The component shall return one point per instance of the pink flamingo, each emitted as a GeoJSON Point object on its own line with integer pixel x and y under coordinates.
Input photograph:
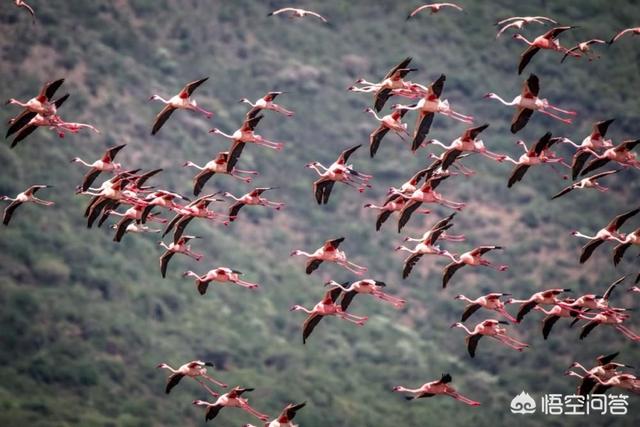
{"type": "Point", "coordinates": [222, 275]}
{"type": "Point", "coordinates": [27, 196]}
{"type": "Point", "coordinates": [610, 232]}
{"type": "Point", "coordinates": [547, 40]}
{"type": "Point", "coordinates": [181, 101]}
{"type": "Point", "coordinates": [219, 165]}
{"type": "Point", "coordinates": [489, 302]}
{"type": "Point", "coordinates": [195, 369]}
{"type": "Point", "coordinates": [366, 286]}
{"type": "Point", "coordinates": [179, 247]}
{"type": "Point", "coordinates": [329, 252]}
{"type": "Point", "coordinates": [472, 258]}
{"type": "Point", "coordinates": [232, 399]}
{"type": "Point", "coordinates": [489, 328]}
{"type": "Point", "coordinates": [433, 388]}
{"type": "Point", "coordinates": [252, 198]}
{"type": "Point", "coordinates": [266, 103]}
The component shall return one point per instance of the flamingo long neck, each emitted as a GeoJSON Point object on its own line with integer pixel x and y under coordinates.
{"type": "Point", "coordinates": [159, 98]}
{"type": "Point", "coordinates": [191, 274]}
{"type": "Point", "coordinates": [513, 102]}
{"type": "Point", "coordinates": [464, 298]}
{"type": "Point", "coordinates": [225, 134]}
{"type": "Point", "coordinates": [164, 245]}
{"type": "Point", "coordinates": [524, 39]}
{"type": "Point", "coordinates": [301, 308]}
{"type": "Point", "coordinates": [79, 160]}
{"type": "Point", "coordinates": [373, 113]}
{"type": "Point", "coordinates": [578, 234]}
{"type": "Point", "coordinates": [465, 328]}
{"type": "Point", "coordinates": [193, 165]}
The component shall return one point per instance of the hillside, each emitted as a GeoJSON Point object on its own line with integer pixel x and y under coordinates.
{"type": "Point", "coordinates": [85, 320]}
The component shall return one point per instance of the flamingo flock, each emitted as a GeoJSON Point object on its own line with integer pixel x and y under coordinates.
{"type": "Point", "coordinates": [143, 203]}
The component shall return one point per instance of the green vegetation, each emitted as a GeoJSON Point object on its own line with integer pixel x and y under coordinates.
{"type": "Point", "coordinates": [84, 320]}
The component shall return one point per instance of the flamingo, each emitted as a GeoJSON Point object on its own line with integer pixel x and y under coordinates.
{"type": "Point", "coordinates": [610, 232]}
{"type": "Point", "coordinates": [546, 297]}
{"type": "Point", "coordinates": [243, 136]}
{"type": "Point", "coordinates": [437, 228]}
{"type": "Point", "coordinates": [329, 252]}
{"type": "Point", "coordinates": [426, 247]}
{"type": "Point", "coordinates": [456, 163]}
{"type": "Point", "coordinates": [425, 194]}
{"type": "Point", "coordinates": [588, 182]}
{"type": "Point", "coordinates": [472, 258]}
{"type": "Point", "coordinates": [489, 301]}
{"type": "Point", "coordinates": [266, 103]}
{"type": "Point", "coordinates": [433, 8]}
{"type": "Point", "coordinates": [41, 104]}
{"type": "Point", "coordinates": [467, 142]}
{"type": "Point", "coordinates": [553, 315]}
{"type": "Point", "coordinates": [433, 388]}
{"type": "Point", "coordinates": [591, 301]}
{"type": "Point", "coordinates": [585, 49]}
{"type": "Point", "coordinates": [294, 12]}
{"type": "Point", "coordinates": [164, 199]}
{"type": "Point", "coordinates": [632, 238]}
{"type": "Point", "coordinates": [520, 21]}
{"type": "Point", "coordinates": [199, 208]}
{"type": "Point", "coordinates": [490, 328]}
{"type": "Point", "coordinates": [608, 317]}
{"type": "Point", "coordinates": [181, 101]}
{"type": "Point", "coordinates": [395, 205]}
{"type": "Point", "coordinates": [23, 4]}
{"type": "Point", "coordinates": [624, 381]}
{"type": "Point", "coordinates": [428, 105]}
{"type": "Point", "coordinates": [219, 165]}
{"type": "Point", "coordinates": [339, 171]}
{"type": "Point", "coordinates": [390, 122]}
{"type": "Point", "coordinates": [132, 214]}
{"type": "Point", "coordinates": [137, 228]}
{"type": "Point", "coordinates": [195, 369]}
{"type": "Point", "coordinates": [104, 164]}
{"type": "Point", "coordinates": [222, 275]}
{"type": "Point", "coordinates": [604, 370]}
{"type": "Point", "coordinates": [394, 79]}
{"type": "Point", "coordinates": [327, 307]}
{"type": "Point", "coordinates": [29, 195]}
{"type": "Point", "coordinates": [621, 154]}
{"type": "Point", "coordinates": [179, 247]}
{"type": "Point", "coordinates": [366, 286]}
{"type": "Point", "coordinates": [252, 198]}
{"type": "Point", "coordinates": [231, 399]}
{"type": "Point", "coordinates": [528, 102]}
{"type": "Point", "coordinates": [534, 156]}
{"type": "Point", "coordinates": [633, 30]}
{"type": "Point", "coordinates": [595, 141]}
{"type": "Point", "coordinates": [547, 40]}
{"type": "Point", "coordinates": [285, 419]}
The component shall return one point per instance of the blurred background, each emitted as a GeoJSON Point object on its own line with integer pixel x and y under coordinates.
{"type": "Point", "coordinates": [85, 320]}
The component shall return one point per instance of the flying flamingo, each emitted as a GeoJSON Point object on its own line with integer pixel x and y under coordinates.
{"type": "Point", "coordinates": [591, 301]}
{"type": "Point", "coordinates": [433, 388]}
{"type": "Point", "coordinates": [327, 307]}
{"type": "Point", "coordinates": [546, 297]}
{"type": "Point", "coordinates": [588, 182]}
{"type": "Point", "coordinates": [104, 164]}
{"type": "Point", "coordinates": [394, 79]}
{"type": "Point", "coordinates": [554, 314]}
{"type": "Point", "coordinates": [329, 252]}
{"type": "Point", "coordinates": [390, 122]}
{"type": "Point", "coordinates": [635, 31]}
{"type": "Point", "coordinates": [181, 101]}
{"type": "Point", "coordinates": [433, 8]}
{"type": "Point", "coordinates": [367, 286]}
{"type": "Point", "coordinates": [425, 194]}
{"type": "Point", "coordinates": [610, 232]}
{"type": "Point", "coordinates": [23, 4]}
{"type": "Point", "coordinates": [266, 103]}
{"type": "Point", "coordinates": [199, 208]}
{"type": "Point", "coordinates": [232, 399]}
{"type": "Point", "coordinates": [489, 328]}
{"type": "Point", "coordinates": [219, 165]}
{"type": "Point", "coordinates": [547, 40]}
{"type": "Point", "coordinates": [41, 104]}
{"type": "Point", "coordinates": [179, 247]}
{"type": "Point", "coordinates": [632, 238]}
{"type": "Point", "coordinates": [297, 13]}
{"type": "Point", "coordinates": [608, 317]}
{"type": "Point", "coordinates": [164, 199]}
{"type": "Point", "coordinates": [29, 195]}
{"type": "Point", "coordinates": [489, 301]}
{"type": "Point", "coordinates": [137, 228]}
{"type": "Point", "coordinates": [253, 198]}
{"type": "Point", "coordinates": [624, 381]}
{"type": "Point", "coordinates": [528, 102]}
{"type": "Point", "coordinates": [425, 247]}
{"type": "Point", "coordinates": [428, 105]}
{"type": "Point", "coordinates": [395, 205]}
{"type": "Point", "coordinates": [621, 154]}
{"type": "Point", "coordinates": [472, 258]}
{"type": "Point", "coordinates": [585, 49]}
{"type": "Point", "coordinates": [604, 370]}
{"type": "Point", "coordinates": [531, 157]}
{"type": "Point", "coordinates": [595, 141]}
{"type": "Point", "coordinates": [195, 369]}
{"type": "Point", "coordinates": [220, 274]}
{"type": "Point", "coordinates": [442, 233]}
{"type": "Point", "coordinates": [339, 171]}
{"type": "Point", "coordinates": [467, 142]}
{"type": "Point", "coordinates": [285, 419]}
{"type": "Point", "coordinates": [520, 21]}
{"type": "Point", "coordinates": [243, 136]}
{"type": "Point", "coordinates": [132, 214]}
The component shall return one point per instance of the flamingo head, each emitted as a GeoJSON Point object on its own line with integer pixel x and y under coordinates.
{"type": "Point", "coordinates": [456, 325]}
{"type": "Point", "coordinates": [245, 100]}
{"type": "Point", "coordinates": [490, 95]}
{"type": "Point", "coordinates": [75, 160]}
{"type": "Point", "coordinates": [460, 296]}
{"type": "Point", "coordinates": [162, 365]}
{"type": "Point", "coordinates": [368, 110]}
{"type": "Point", "coordinates": [294, 253]}
{"type": "Point", "coordinates": [574, 233]}
{"type": "Point", "coordinates": [153, 97]}
{"type": "Point", "coordinates": [359, 81]}
{"type": "Point", "coordinates": [398, 388]}
{"type": "Point", "coordinates": [311, 165]}
{"type": "Point", "coordinates": [214, 130]}
{"type": "Point", "coordinates": [295, 308]}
